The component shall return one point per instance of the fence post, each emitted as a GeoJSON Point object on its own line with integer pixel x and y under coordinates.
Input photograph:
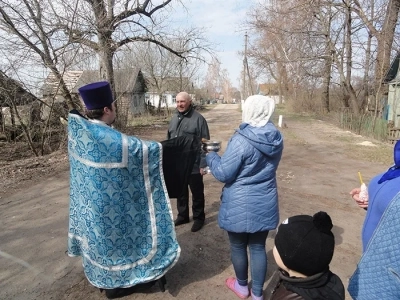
{"type": "Point", "coordinates": [280, 121]}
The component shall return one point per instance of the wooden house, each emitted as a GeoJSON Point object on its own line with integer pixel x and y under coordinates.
{"type": "Point", "coordinates": [392, 107]}
{"type": "Point", "coordinates": [130, 88]}
{"type": "Point", "coordinates": [162, 92]}
{"type": "Point", "coordinates": [14, 96]}
{"type": "Point", "coordinates": [271, 90]}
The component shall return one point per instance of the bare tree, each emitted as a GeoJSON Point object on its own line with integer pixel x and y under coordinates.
{"type": "Point", "coordinates": [105, 26]}
{"type": "Point", "coordinates": [212, 80]}
{"type": "Point", "coordinates": [308, 44]}
{"type": "Point", "coordinates": [227, 89]}
{"type": "Point", "coordinates": [292, 46]}
{"type": "Point", "coordinates": [57, 35]}
{"type": "Point", "coordinates": [384, 32]}
{"type": "Point", "coordinates": [51, 28]}
{"type": "Point", "coordinates": [216, 81]}
{"type": "Point", "coordinates": [13, 95]}
{"type": "Point", "coordinates": [27, 29]}
{"type": "Point", "coordinates": [164, 70]}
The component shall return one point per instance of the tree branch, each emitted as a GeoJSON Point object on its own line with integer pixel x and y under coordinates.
{"type": "Point", "coordinates": [139, 10]}
{"type": "Point", "coordinates": [358, 10]}
{"type": "Point", "coordinates": [154, 41]}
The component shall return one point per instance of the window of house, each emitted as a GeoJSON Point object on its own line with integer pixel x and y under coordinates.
{"type": "Point", "coordinates": [173, 98]}
{"type": "Point", "coordinates": [164, 99]}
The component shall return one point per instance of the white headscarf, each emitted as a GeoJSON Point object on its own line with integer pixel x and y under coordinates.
{"type": "Point", "coordinates": [257, 110]}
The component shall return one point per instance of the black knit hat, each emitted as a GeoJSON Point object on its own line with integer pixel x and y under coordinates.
{"type": "Point", "coordinates": [305, 243]}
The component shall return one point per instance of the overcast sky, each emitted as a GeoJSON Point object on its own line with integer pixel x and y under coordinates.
{"type": "Point", "coordinates": [223, 21]}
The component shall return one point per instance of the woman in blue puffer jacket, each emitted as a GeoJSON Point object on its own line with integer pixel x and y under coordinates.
{"type": "Point", "coordinates": [249, 200]}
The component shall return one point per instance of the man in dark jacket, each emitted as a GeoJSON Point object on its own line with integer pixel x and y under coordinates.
{"type": "Point", "coordinates": [187, 121]}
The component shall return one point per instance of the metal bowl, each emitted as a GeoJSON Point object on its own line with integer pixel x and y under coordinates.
{"type": "Point", "coordinates": [211, 146]}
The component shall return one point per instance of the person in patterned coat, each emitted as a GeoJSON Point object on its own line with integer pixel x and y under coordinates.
{"type": "Point", "coordinates": [120, 217]}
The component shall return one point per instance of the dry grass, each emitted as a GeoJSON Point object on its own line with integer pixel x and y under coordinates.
{"type": "Point", "coordinates": [291, 137]}
{"type": "Point", "coordinates": [149, 119]}
{"type": "Point", "coordinates": [381, 153]}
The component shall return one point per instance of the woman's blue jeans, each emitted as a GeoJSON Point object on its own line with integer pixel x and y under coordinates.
{"type": "Point", "coordinates": [258, 258]}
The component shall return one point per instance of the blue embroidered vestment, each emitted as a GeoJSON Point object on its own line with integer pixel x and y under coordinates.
{"type": "Point", "coordinates": [120, 217]}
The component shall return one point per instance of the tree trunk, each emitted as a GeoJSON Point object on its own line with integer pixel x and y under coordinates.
{"type": "Point", "coordinates": [326, 83]}
{"type": "Point", "coordinates": [14, 109]}
{"type": "Point", "coordinates": [366, 89]}
{"type": "Point", "coordinates": [159, 102]}
{"type": "Point", "coordinates": [353, 98]}
{"type": "Point", "coordinates": [385, 40]}
{"type": "Point", "coordinates": [1, 119]}
{"type": "Point", "coordinates": [64, 90]}
{"type": "Point", "coordinates": [106, 50]}
{"type": "Point", "coordinates": [364, 100]}
{"type": "Point", "coordinates": [348, 61]}
{"type": "Point", "coordinates": [385, 37]}
{"type": "Point", "coordinates": [106, 64]}
{"type": "Point", "coordinates": [13, 126]}
{"type": "Point", "coordinates": [106, 73]}
{"type": "Point", "coordinates": [327, 71]}
{"type": "Point", "coordinates": [280, 90]}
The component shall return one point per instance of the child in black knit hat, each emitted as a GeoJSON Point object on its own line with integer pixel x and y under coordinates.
{"type": "Point", "coordinates": [303, 251]}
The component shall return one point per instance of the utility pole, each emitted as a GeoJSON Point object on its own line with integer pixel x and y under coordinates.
{"type": "Point", "coordinates": [244, 93]}
{"type": "Point", "coordinates": [246, 70]}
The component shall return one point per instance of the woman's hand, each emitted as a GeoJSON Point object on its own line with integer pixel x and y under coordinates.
{"type": "Point", "coordinates": [355, 194]}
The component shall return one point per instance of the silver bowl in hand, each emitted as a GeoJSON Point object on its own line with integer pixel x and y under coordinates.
{"type": "Point", "coordinates": [211, 146]}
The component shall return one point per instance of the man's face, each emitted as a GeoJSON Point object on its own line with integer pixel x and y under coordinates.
{"type": "Point", "coordinates": [182, 103]}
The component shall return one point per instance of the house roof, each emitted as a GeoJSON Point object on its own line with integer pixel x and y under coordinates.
{"type": "Point", "coordinates": [268, 88]}
{"type": "Point", "coordinates": [393, 71]}
{"type": "Point", "coordinates": [125, 80]}
{"type": "Point", "coordinates": [169, 84]}
{"type": "Point", "coordinates": [9, 86]}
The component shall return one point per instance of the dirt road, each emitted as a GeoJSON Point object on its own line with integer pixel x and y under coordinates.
{"type": "Point", "coordinates": [317, 171]}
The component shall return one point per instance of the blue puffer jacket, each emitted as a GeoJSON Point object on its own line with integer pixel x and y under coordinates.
{"type": "Point", "coordinates": [249, 200]}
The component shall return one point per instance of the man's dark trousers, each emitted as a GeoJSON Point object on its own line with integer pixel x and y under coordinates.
{"type": "Point", "coordinates": [197, 188]}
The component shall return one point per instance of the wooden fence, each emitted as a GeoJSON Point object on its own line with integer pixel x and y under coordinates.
{"type": "Point", "coordinates": [393, 135]}
{"type": "Point", "coordinates": [367, 125]}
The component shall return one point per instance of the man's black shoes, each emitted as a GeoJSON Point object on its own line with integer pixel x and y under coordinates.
{"type": "Point", "coordinates": [180, 221]}
{"type": "Point", "coordinates": [140, 288]}
{"type": "Point", "coordinates": [197, 225]}
{"type": "Point", "coordinates": [119, 292]}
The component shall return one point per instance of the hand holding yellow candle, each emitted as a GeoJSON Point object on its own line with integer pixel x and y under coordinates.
{"type": "Point", "coordinates": [363, 190]}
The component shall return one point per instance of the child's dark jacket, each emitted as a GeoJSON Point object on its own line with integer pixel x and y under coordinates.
{"type": "Point", "coordinates": [324, 285]}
